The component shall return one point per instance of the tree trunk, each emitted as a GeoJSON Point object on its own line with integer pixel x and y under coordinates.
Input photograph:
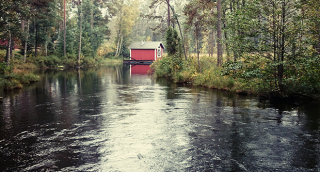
{"type": "Point", "coordinates": [26, 43]}
{"type": "Point", "coordinates": [12, 47]}
{"type": "Point", "coordinates": [198, 56]}
{"type": "Point", "coordinates": [226, 36]}
{"type": "Point", "coordinates": [186, 45]}
{"type": "Point", "coordinates": [282, 46]}
{"type": "Point", "coordinates": [93, 42]}
{"type": "Point", "coordinates": [60, 28]}
{"type": "Point", "coordinates": [168, 13]}
{"type": "Point", "coordinates": [22, 25]}
{"type": "Point", "coordinates": [197, 45]}
{"type": "Point", "coordinates": [219, 54]}
{"type": "Point", "coordinates": [235, 54]}
{"type": "Point", "coordinates": [80, 32]}
{"type": "Point", "coordinates": [274, 45]}
{"type": "Point", "coordinates": [8, 49]}
{"type": "Point", "coordinates": [64, 29]}
{"type": "Point", "coordinates": [120, 45]}
{"type": "Point", "coordinates": [46, 47]}
{"type": "Point", "coordinates": [210, 42]}
{"type": "Point", "coordinates": [22, 31]}
{"type": "Point", "coordinates": [117, 50]}
{"type": "Point", "coordinates": [36, 40]}
{"type": "Point", "coordinates": [182, 39]}
{"type": "Point", "coordinates": [119, 36]}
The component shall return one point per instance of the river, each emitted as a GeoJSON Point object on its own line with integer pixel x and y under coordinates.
{"type": "Point", "coordinates": [119, 119]}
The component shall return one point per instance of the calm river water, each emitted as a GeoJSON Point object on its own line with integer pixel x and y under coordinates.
{"type": "Point", "coordinates": [117, 119]}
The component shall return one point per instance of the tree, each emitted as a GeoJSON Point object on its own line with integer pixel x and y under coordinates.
{"type": "Point", "coordinates": [9, 21]}
{"type": "Point", "coordinates": [201, 20]}
{"type": "Point", "coordinates": [173, 42]}
{"type": "Point", "coordinates": [272, 31]}
{"type": "Point", "coordinates": [64, 28]}
{"type": "Point", "coordinates": [80, 29]}
{"type": "Point", "coordinates": [310, 15]}
{"type": "Point", "coordinates": [219, 34]}
{"type": "Point", "coordinates": [126, 17]}
{"type": "Point", "coordinates": [155, 4]}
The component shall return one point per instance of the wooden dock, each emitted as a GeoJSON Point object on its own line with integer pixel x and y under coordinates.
{"type": "Point", "coordinates": [137, 62]}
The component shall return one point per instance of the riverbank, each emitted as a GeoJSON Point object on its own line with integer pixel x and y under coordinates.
{"type": "Point", "coordinates": [19, 73]}
{"type": "Point", "coordinates": [212, 76]}
{"type": "Point", "coordinates": [187, 72]}
{"type": "Point", "coordinates": [16, 80]}
{"type": "Point", "coordinates": [53, 61]}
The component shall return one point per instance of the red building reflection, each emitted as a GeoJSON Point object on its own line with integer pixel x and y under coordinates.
{"type": "Point", "coordinates": [140, 69]}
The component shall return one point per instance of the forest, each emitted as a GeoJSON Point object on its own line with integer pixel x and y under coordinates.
{"type": "Point", "coordinates": [247, 46]}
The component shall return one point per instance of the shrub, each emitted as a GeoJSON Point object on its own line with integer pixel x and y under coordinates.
{"type": "Point", "coordinates": [52, 60]}
{"type": "Point", "coordinates": [88, 61]}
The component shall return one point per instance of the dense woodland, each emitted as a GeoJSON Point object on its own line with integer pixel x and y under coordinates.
{"type": "Point", "coordinates": [264, 45]}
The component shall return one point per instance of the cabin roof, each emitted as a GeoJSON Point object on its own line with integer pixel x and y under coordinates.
{"type": "Point", "coordinates": [146, 45]}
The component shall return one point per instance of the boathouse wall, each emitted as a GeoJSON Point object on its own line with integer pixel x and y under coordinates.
{"type": "Point", "coordinates": [139, 54]}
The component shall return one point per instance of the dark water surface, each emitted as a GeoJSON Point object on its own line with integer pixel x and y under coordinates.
{"type": "Point", "coordinates": [109, 119]}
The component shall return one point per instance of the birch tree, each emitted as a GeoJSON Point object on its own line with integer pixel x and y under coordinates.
{"type": "Point", "coordinates": [126, 17]}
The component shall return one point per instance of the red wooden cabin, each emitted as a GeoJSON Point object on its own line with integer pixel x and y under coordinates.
{"type": "Point", "coordinates": [149, 51]}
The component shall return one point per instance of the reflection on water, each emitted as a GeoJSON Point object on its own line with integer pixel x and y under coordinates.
{"type": "Point", "coordinates": [139, 69]}
{"type": "Point", "coordinates": [116, 119]}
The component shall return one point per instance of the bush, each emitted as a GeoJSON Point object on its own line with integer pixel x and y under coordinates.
{"type": "Point", "coordinates": [88, 61]}
{"type": "Point", "coordinates": [52, 60]}
{"type": "Point", "coordinates": [110, 55]}
{"type": "Point", "coordinates": [181, 71]}
{"type": "Point", "coordinates": [15, 80]}
{"type": "Point", "coordinates": [71, 60]}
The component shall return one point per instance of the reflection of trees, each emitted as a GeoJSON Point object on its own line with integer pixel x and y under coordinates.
{"type": "Point", "coordinates": [119, 74]}
{"type": "Point", "coordinates": [170, 88]}
{"type": "Point", "coordinates": [50, 113]}
{"type": "Point", "coordinates": [122, 74]}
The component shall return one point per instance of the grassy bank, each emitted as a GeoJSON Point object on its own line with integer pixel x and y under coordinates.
{"type": "Point", "coordinates": [250, 79]}
{"type": "Point", "coordinates": [181, 71]}
{"type": "Point", "coordinates": [11, 79]}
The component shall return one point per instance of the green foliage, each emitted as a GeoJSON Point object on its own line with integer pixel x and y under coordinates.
{"type": "Point", "coordinates": [16, 80]}
{"type": "Point", "coordinates": [70, 61]}
{"type": "Point", "coordinates": [5, 69]}
{"type": "Point", "coordinates": [127, 14]}
{"type": "Point", "coordinates": [52, 60]}
{"type": "Point", "coordinates": [273, 48]}
{"type": "Point", "coordinates": [26, 78]}
{"type": "Point", "coordinates": [173, 43]}
{"type": "Point", "coordinates": [167, 66]}
{"type": "Point", "coordinates": [88, 61]}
